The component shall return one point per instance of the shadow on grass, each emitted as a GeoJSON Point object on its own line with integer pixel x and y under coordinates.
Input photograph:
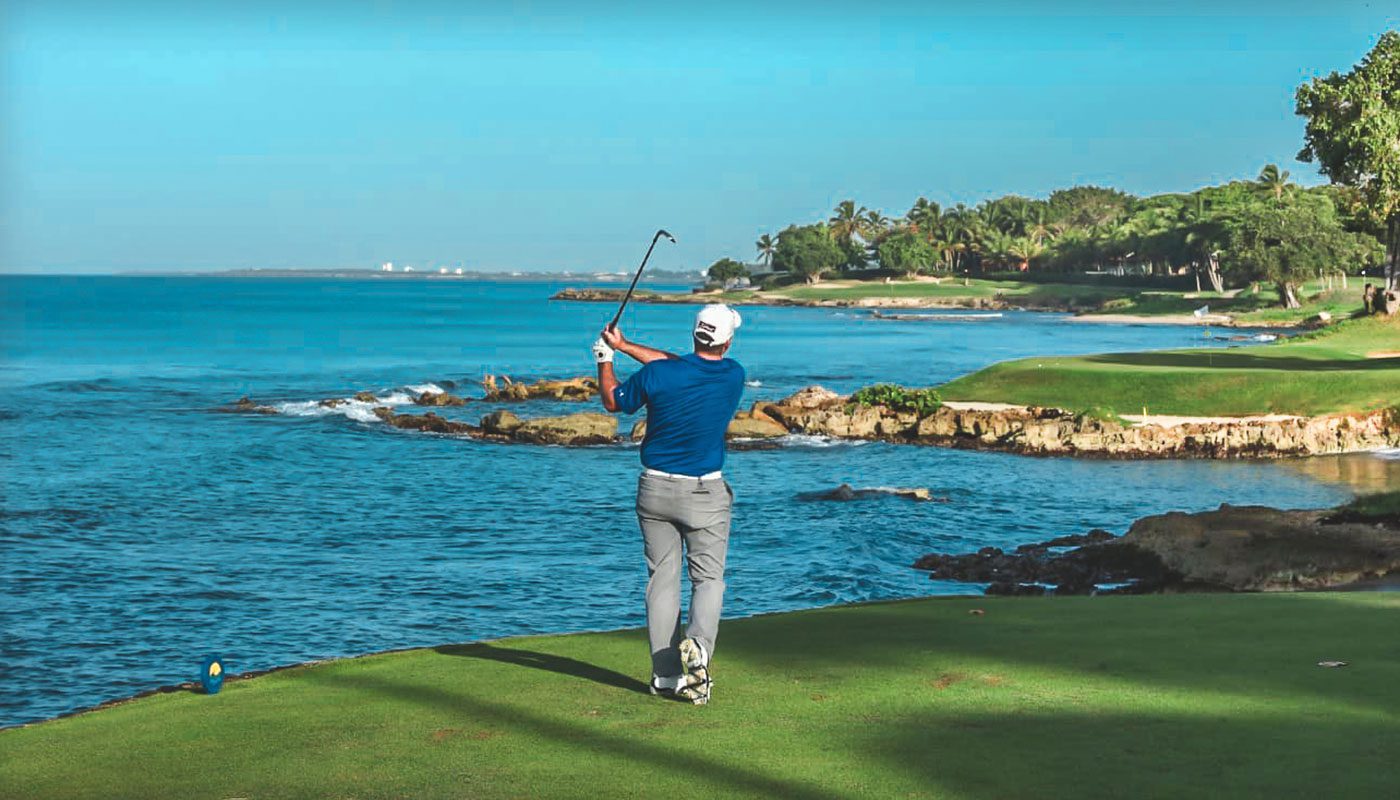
{"type": "Point", "coordinates": [562, 665]}
{"type": "Point", "coordinates": [1207, 644]}
{"type": "Point", "coordinates": [590, 741]}
{"type": "Point", "coordinates": [1044, 752]}
{"type": "Point", "coordinates": [1216, 359]}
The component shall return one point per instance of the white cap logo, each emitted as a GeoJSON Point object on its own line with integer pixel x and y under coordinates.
{"type": "Point", "coordinates": [715, 324]}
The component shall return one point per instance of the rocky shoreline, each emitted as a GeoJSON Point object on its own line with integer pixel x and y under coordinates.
{"type": "Point", "coordinates": [1091, 312]}
{"type": "Point", "coordinates": [1057, 432]}
{"type": "Point", "coordinates": [815, 411]}
{"type": "Point", "coordinates": [1231, 549]}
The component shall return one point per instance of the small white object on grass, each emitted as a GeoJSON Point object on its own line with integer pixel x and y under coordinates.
{"type": "Point", "coordinates": [1331, 663]}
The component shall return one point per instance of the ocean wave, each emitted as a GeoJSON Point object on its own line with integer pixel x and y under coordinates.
{"type": "Point", "coordinates": [753, 384]}
{"type": "Point", "coordinates": [425, 388]}
{"type": "Point", "coordinates": [349, 407]}
{"type": "Point", "coordinates": [806, 440]}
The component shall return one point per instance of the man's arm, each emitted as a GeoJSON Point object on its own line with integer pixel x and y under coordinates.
{"type": "Point", "coordinates": [640, 352]}
{"type": "Point", "coordinates": [607, 385]}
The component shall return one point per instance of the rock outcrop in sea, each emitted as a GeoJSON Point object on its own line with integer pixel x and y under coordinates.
{"type": "Point", "coordinates": [1235, 548]}
{"type": "Point", "coordinates": [501, 388]}
{"type": "Point", "coordinates": [1052, 431]}
{"type": "Point", "coordinates": [570, 430]}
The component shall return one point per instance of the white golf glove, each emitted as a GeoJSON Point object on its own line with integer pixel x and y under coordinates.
{"type": "Point", "coordinates": [601, 352]}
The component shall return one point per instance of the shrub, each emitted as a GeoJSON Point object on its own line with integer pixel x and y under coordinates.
{"type": "Point", "coordinates": [1102, 414]}
{"type": "Point", "coordinates": [898, 398]}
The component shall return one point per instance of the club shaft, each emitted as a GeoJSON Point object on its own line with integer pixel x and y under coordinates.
{"type": "Point", "coordinates": [635, 278]}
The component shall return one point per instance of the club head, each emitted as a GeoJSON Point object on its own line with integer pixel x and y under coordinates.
{"type": "Point", "coordinates": [667, 235]}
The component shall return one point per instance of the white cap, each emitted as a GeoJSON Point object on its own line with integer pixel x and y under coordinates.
{"type": "Point", "coordinates": [716, 323]}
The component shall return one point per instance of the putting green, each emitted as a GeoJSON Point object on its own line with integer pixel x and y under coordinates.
{"type": "Point", "coordinates": [1161, 696]}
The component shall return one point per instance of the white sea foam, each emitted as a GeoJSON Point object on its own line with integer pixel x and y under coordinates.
{"type": "Point", "coordinates": [808, 440]}
{"type": "Point", "coordinates": [349, 407]}
{"type": "Point", "coordinates": [425, 388]}
{"type": "Point", "coordinates": [753, 384]}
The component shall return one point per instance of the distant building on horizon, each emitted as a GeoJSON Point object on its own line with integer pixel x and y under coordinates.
{"type": "Point", "coordinates": [388, 266]}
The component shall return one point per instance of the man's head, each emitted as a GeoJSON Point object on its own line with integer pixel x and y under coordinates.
{"type": "Point", "coordinates": [715, 325]}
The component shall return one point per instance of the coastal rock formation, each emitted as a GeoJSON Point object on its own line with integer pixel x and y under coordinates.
{"type": "Point", "coordinates": [438, 399]}
{"type": "Point", "coordinates": [503, 389]}
{"type": "Point", "coordinates": [429, 422]}
{"type": "Point", "coordinates": [366, 397]}
{"type": "Point", "coordinates": [748, 425]}
{"type": "Point", "coordinates": [245, 406]}
{"type": "Point", "coordinates": [745, 425]}
{"type": "Point", "coordinates": [1244, 549]}
{"type": "Point", "coordinates": [570, 429]}
{"type": "Point", "coordinates": [1050, 431]}
{"type": "Point", "coordinates": [846, 492]}
{"type": "Point", "coordinates": [1255, 548]}
{"type": "Point", "coordinates": [501, 423]}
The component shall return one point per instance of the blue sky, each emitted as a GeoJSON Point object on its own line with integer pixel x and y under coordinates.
{"type": "Point", "coordinates": [148, 135]}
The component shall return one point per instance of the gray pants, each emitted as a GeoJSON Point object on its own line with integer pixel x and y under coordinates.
{"type": "Point", "coordinates": [672, 511]}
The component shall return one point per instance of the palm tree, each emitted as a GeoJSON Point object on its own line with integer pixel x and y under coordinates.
{"type": "Point", "coordinates": [923, 217]}
{"type": "Point", "coordinates": [767, 246]}
{"type": "Point", "coordinates": [1024, 250]}
{"type": "Point", "coordinates": [847, 222]}
{"type": "Point", "coordinates": [962, 227]}
{"type": "Point", "coordinates": [1204, 238]}
{"type": "Point", "coordinates": [1039, 229]}
{"type": "Point", "coordinates": [875, 224]}
{"type": "Point", "coordinates": [1273, 180]}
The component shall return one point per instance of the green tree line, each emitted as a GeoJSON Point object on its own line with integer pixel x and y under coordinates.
{"type": "Point", "coordinates": [1266, 229]}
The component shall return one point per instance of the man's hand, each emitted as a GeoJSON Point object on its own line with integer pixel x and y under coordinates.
{"type": "Point", "coordinates": [613, 338]}
{"type": "Point", "coordinates": [602, 353]}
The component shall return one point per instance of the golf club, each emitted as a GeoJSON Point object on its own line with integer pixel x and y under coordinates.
{"type": "Point", "coordinates": [612, 325]}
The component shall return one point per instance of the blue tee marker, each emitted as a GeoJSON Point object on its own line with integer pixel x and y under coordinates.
{"type": "Point", "coordinates": [211, 675]}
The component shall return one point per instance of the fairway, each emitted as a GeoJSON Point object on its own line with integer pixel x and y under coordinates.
{"type": "Point", "coordinates": [1333, 370]}
{"type": "Point", "coordinates": [1153, 696]}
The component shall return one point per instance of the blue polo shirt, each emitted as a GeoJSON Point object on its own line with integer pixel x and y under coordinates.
{"type": "Point", "coordinates": [690, 401]}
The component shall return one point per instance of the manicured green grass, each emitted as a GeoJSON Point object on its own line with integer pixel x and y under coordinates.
{"type": "Point", "coordinates": [955, 289]}
{"type": "Point", "coordinates": [1263, 308]}
{"type": "Point", "coordinates": [854, 290]}
{"type": "Point", "coordinates": [1158, 696]}
{"type": "Point", "coordinates": [1327, 371]}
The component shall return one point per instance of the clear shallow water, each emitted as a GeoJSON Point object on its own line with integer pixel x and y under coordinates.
{"type": "Point", "coordinates": [139, 530]}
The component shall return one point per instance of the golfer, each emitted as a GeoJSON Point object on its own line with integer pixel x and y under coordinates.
{"type": "Point", "coordinates": [682, 500]}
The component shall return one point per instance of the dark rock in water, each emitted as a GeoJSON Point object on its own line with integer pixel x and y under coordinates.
{"type": "Point", "coordinates": [1248, 548]}
{"type": "Point", "coordinates": [1254, 548]}
{"type": "Point", "coordinates": [438, 399]}
{"type": "Point", "coordinates": [1094, 536]}
{"type": "Point", "coordinates": [754, 444]}
{"type": "Point", "coordinates": [366, 397]}
{"type": "Point", "coordinates": [1075, 572]}
{"type": "Point", "coordinates": [429, 422]}
{"type": "Point", "coordinates": [846, 492]}
{"type": "Point", "coordinates": [332, 402]}
{"type": "Point", "coordinates": [246, 406]}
